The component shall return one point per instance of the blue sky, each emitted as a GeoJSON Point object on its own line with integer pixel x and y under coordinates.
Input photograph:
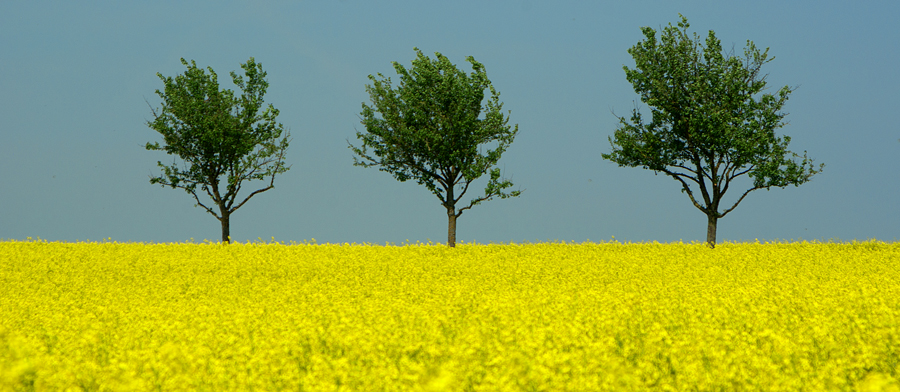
{"type": "Point", "coordinates": [77, 76]}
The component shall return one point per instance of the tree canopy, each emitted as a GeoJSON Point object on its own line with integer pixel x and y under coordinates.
{"type": "Point", "coordinates": [430, 129]}
{"type": "Point", "coordinates": [710, 120]}
{"type": "Point", "coordinates": [222, 139]}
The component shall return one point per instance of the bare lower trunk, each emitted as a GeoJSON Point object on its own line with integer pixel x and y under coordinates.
{"type": "Point", "coordinates": [711, 230]}
{"type": "Point", "coordinates": [451, 228]}
{"type": "Point", "coordinates": [226, 228]}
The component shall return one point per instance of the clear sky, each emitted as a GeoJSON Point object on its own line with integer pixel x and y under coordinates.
{"type": "Point", "coordinates": [77, 78]}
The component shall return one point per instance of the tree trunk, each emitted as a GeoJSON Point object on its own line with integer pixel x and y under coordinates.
{"type": "Point", "coordinates": [226, 227]}
{"type": "Point", "coordinates": [451, 227]}
{"type": "Point", "coordinates": [711, 230]}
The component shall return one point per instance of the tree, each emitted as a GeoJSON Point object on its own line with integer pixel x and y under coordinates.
{"type": "Point", "coordinates": [428, 129]}
{"type": "Point", "coordinates": [222, 139]}
{"type": "Point", "coordinates": [710, 124]}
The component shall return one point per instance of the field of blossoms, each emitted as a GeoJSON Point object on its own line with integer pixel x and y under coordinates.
{"type": "Point", "coordinates": [424, 317]}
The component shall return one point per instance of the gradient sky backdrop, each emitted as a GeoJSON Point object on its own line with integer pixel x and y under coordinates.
{"type": "Point", "coordinates": [76, 78]}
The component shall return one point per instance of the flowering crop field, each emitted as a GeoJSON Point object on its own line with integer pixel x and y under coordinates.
{"type": "Point", "coordinates": [424, 317]}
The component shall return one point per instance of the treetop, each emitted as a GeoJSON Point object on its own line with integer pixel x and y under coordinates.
{"type": "Point", "coordinates": [434, 127]}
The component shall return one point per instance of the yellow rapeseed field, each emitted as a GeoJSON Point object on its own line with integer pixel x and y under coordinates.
{"type": "Point", "coordinates": [424, 317]}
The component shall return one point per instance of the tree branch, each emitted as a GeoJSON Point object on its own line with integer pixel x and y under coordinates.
{"type": "Point", "coordinates": [465, 188]}
{"type": "Point", "coordinates": [686, 168]}
{"type": "Point", "coordinates": [204, 206]}
{"type": "Point", "coordinates": [739, 201]}
{"type": "Point", "coordinates": [701, 182]}
{"type": "Point", "coordinates": [686, 187]}
{"type": "Point", "coordinates": [251, 195]}
{"type": "Point", "coordinates": [271, 180]}
{"type": "Point", "coordinates": [474, 202]}
{"type": "Point", "coordinates": [192, 192]}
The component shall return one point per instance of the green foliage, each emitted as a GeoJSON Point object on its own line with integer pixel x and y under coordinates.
{"type": "Point", "coordinates": [710, 121]}
{"type": "Point", "coordinates": [428, 129]}
{"type": "Point", "coordinates": [218, 135]}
